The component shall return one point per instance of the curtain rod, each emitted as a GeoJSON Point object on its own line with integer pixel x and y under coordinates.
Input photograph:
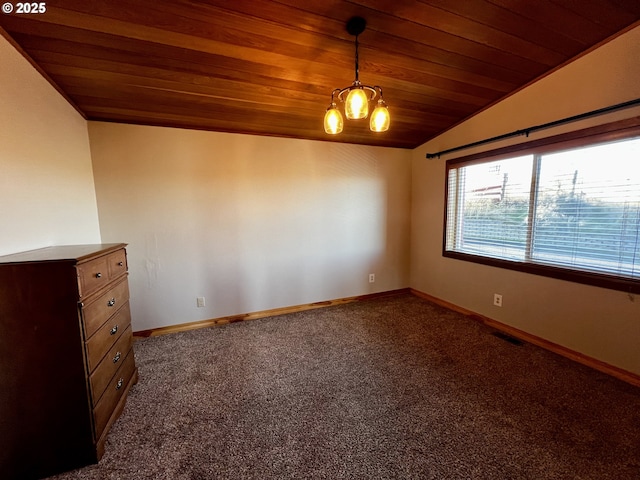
{"type": "Point", "coordinates": [527, 131]}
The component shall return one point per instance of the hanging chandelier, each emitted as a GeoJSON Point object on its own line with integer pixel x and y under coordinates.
{"type": "Point", "coordinates": [357, 96]}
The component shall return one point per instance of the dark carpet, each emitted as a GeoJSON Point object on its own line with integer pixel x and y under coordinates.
{"type": "Point", "coordinates": [388, 388]}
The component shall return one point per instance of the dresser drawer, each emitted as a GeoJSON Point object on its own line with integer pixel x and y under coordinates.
{"type": "Point", "coordinates": [100, 343]}
{"type": "Point", "coordinates": [103, 374]}
{"type": "Point", "coordinates": [92, 275]}
{"type": "Point", "coordinates": [117, 263]}
{"type": "Point", "coordinates": [114, 391]}
{"type": "Point", "coordinates": [97, 273]}
{"type": "Point", "coordinates": [97, 312]}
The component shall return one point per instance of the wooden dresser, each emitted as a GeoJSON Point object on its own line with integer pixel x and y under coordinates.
{"type": "Point", "coordinates": [66, 357]}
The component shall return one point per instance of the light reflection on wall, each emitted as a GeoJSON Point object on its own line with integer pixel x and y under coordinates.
{"type": "Point", "coordinates": [251, 223]}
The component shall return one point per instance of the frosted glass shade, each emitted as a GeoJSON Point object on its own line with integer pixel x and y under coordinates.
{"type": "Point", "coordinates": [380, 118]}
{"type": "Point", "coordinates": [333, 122]}
{"type": "Point", "coordinates": [357, 104]}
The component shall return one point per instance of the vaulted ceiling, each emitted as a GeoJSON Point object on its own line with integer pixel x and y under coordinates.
{"type": "Point", "coordinates": [268, 67]}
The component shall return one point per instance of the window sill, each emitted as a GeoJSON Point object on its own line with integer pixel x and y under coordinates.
{"type": "Point", "coordinates": [588, 278]}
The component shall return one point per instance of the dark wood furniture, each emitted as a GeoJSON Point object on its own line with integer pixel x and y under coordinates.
{"type": "Point", "coordinates": [66, 357]}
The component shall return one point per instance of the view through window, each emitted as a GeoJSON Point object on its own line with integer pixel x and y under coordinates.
{"type": "Point", "coordinates": [576, 209]}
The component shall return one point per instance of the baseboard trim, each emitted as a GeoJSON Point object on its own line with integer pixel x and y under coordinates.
{"type": "Point", "coordinates": [581, 358]}
{"type": "Point", "coordinates": [183, 327]}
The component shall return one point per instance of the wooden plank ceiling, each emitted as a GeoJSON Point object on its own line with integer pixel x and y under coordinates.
{"type": "Point", "coordinates": [268, 67]}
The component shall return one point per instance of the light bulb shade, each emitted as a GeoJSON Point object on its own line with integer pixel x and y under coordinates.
{"type": "Point", "coordinates": [333, 122]}
{"type": "Point", "coordinates": [357, 104]}
{"type": "Point", "coordinates": [380, 118]}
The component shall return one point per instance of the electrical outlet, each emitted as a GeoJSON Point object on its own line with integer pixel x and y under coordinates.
{"type": "Point", "coordinates": [497, 299]}
{"type": "Point", "coordinates": [372, 277]}
{"type": "Point", "coordinates": [200, 302]}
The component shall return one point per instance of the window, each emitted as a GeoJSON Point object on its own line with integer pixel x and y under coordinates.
{"type": "Point", "coordinates": [567, 208]}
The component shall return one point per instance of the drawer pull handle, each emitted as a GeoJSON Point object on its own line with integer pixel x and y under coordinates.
{"type": "Point", "coordinates": [119, 384]}
{"type": "Point", "coordinates": [114, 330]}
{"type": "Point", "coordinates": [98, 275]}
{"type": "Point", "coordinates": [117, 357]}
{"type": "Point", "coordinates": [120, 264]}
{"type": "Point", "coordinates": [111, 302]}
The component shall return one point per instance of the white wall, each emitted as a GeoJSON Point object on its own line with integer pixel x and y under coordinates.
{"type": "Point", "coordinates": [250, 223]}
{"type": "Point", "coordinates": [601, 323]}
{"type": "Point", "coordinates": [47, 195]}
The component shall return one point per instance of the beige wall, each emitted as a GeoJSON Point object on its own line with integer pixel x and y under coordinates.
{"type": "Point", "coordinates": [601, 323]}
{"type": "Point", "coordinates": [250, 223]}
{"type": "Point", "coordinates": [47, 195]}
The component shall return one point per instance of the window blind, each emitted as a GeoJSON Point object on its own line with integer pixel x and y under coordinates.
{"type": "Point", "coordinates": [588, 209]}
{"type": "Point", "coordinates": [576, 209]}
